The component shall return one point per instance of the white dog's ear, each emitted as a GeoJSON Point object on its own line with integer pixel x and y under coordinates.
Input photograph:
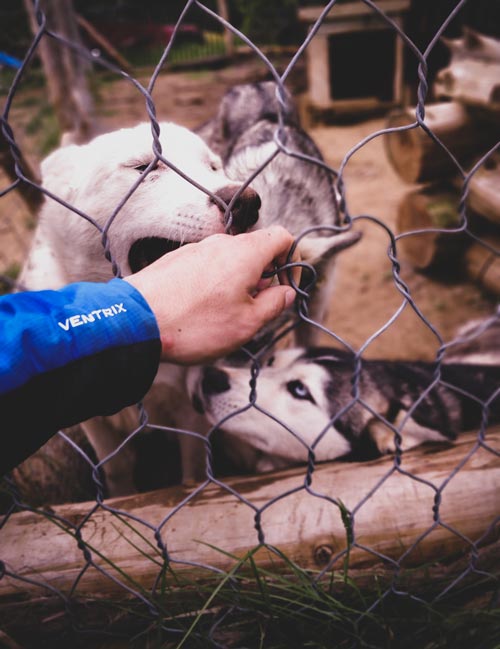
{"type": "Point", "coordinates": [315, 249]}
{"type": "Point", "coordinates": [59, 170]}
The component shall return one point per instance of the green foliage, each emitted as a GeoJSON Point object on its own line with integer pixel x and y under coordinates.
{"type": "Point", "coordinates": [268, 22]}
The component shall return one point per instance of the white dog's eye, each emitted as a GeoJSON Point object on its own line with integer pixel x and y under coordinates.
{"type": "Point", "coordinates": [298, 390]}
{"type": "Point", "coordinates": [142, 168]}
{"type": "Point", "coordinates": [215, 165]}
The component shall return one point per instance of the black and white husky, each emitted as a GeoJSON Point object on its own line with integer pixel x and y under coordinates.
{"type": "Point", "coordinates": [319, 399]}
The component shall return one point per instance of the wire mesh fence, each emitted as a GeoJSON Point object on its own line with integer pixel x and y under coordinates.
{"type": "Point", "coordinates": [347, 550]}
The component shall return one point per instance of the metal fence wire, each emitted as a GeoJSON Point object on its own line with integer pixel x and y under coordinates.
{"type": "Point", "coordinates": [143, 560]}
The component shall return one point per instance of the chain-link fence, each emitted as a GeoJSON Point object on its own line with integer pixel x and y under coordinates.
{"type": "Point", "coordinates": [380, 552]}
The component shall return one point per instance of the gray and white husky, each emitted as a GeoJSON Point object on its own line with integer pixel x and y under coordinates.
{"type": "Point", "coordinates": [257, 131]}
{"type": "Point", "coordinates": [306, 399]}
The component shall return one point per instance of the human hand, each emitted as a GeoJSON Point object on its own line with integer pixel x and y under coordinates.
{"type": "Point", "coordinates": [209, 297]}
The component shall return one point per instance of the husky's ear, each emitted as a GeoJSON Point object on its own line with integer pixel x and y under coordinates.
{"type": "Point", "coordinates": [315, 249]}
{"type": "Point", "coordinates": [59, 171]}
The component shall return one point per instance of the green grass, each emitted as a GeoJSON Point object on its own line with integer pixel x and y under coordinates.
{"type": "Point", "coordinates": [180, 54]}
{"type": "Point", "coordinates": [44, 128]}
{"type": "Point", "coordinates": [276, 606]}
{"type": "Point", "coordinates": [251, 607]}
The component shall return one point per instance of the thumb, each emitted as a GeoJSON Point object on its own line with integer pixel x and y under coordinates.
{"type": "Point", "coordinates": [273, 300]}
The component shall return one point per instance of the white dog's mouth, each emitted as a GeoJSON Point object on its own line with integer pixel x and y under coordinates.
{"type": "Point", "coordinates": [145, 251]}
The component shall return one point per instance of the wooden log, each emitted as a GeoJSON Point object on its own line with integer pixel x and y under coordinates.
{"type": "Point", "coordinates": [473, 74]}
{"type": "Point", "coordinates": [45, 618]}
{"type": "Point", "coordinates": [483, 265]}
{"type": "Point", "coordinates": [417, 158]}
{"type": "Point", "coordinates": [472, 82]}
{"type": "Point", "coordinates": [396, 521]}
{"type": "Point", "coordinates": [426, 209]}
{"type": "Point", "coordinates": [484, 190]}
{"type": "Point", "coordinates": [473, 45]}
{"type": "Point", "coordinates": [103, 42]}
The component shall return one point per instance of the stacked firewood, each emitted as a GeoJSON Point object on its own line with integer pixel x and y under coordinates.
{"type": "Point", "coordinates": [467, 122]}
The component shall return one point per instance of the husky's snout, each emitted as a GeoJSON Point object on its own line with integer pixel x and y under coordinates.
{"type": "Point", "coordinates": [213, 381]}
{"type": "Point", "coordinates": [244, 211]}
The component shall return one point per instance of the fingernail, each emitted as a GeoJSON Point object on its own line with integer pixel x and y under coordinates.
{"type": "Point", "coordinates": [289, 297]}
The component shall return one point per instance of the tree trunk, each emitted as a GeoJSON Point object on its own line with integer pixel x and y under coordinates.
{"type": "Point", "coordinates": [65, 70]}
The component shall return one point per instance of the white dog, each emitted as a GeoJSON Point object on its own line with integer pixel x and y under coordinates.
{"type": "Point", "coordinates": [164, 211]}
{"type": "Point", "coordinates": [116, 189]}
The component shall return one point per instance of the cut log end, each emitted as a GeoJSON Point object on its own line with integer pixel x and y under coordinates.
{"type": "Point", "coordinates": [417, 157]}
{"type": "Point", "coordinates": [430, 209]}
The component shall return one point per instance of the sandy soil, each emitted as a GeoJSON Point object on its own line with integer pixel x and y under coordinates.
{"type": "Point", "coordinates": [366, 296]}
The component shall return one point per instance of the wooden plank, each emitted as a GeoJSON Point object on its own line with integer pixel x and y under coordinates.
{"type": "Point", "coordinates": [349, 9]}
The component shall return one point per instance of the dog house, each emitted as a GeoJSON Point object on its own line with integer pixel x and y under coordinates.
{"type": "Point", "coordinates": [355, 60]}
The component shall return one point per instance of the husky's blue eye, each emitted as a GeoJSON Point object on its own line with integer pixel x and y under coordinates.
{"type": "Point", "coordinates": [298, 390]}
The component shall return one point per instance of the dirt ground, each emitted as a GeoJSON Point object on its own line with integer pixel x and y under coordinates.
{"type": "Point", "coordinates": [365, 297]}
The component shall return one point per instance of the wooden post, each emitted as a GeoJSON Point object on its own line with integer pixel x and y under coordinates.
{"type": "Point", "coordinates": [223, 11]}
{"type": "Point", "coordinates": [318, 70]}
{"type": "Point", "coordinates": [397, 83]}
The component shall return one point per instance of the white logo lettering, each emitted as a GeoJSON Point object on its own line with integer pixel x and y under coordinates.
{"type": "Point", "coordinates": [87, 318]}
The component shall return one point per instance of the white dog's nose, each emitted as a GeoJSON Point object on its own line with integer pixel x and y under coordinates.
{"type": "Point", "coordinates": [214, 381]}
{"type": "Point", "coordinates": [245, 210]}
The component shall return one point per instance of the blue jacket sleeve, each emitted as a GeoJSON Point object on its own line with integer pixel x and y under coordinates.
{"type": "Point", "coordinates": [68, 355]}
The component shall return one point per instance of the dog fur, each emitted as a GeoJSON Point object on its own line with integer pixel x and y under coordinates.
{"type": "Point", "coordinates": [96, 177]}
{"type": "Point", "coordinates": [86, 184]}
{"type": "Point", "coordinates": [304, 401]}
{"type": "Point", "coordinates": [295, 192]}
{"type": "Point", "coordinates": [158, 210]}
